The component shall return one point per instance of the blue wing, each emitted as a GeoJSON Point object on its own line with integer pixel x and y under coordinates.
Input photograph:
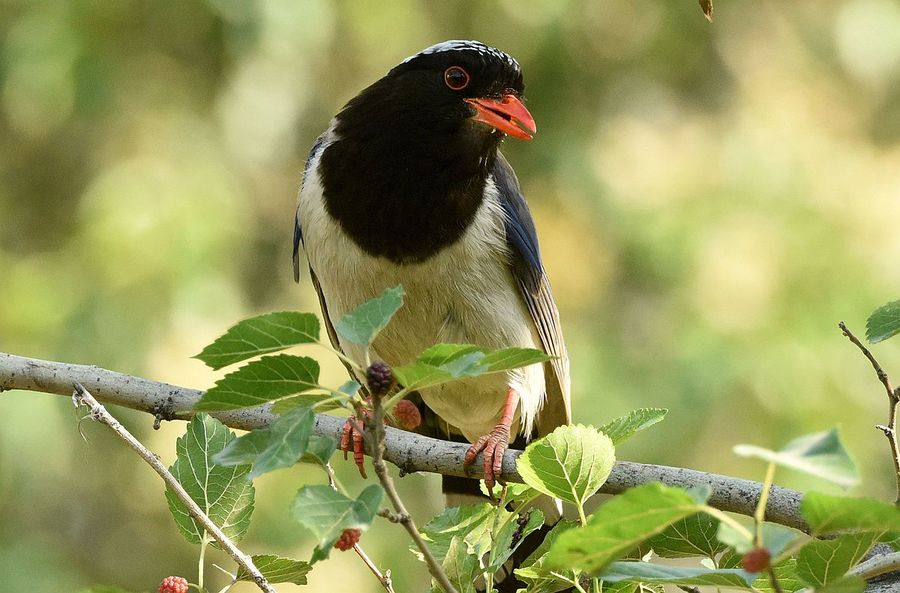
{"type": "Point", "coordinates": [535, 288]}
{"type": "Point", "coordinates": [298, 231]}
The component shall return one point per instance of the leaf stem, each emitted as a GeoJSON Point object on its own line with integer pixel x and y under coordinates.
{"type": "Point", "coordinates": [343, 357]}
{"type": "Point", "coordinates": [759, 516]}
{"type": "Point", "coordinates": [721, 516]}
{"type": "Point", "coordinates": [204, 541]}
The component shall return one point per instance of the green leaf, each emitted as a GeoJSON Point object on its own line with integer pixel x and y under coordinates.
{"type": "Point", "coordinates": [570, 463]}
{"type": "Point", "coordinates": [443, 363]}
{"type": "Point", "coordinates": [775, 537]}
{"type": "Point", "coordinates": [785, 572]}
{"type": "Point", "coordinates": [620, 525]}
{"type": "Point", "coordinates": [261, 335]}
{"type": "Point", "coordinates": [460, 565]}
{"type": "Point", "coordinates": [278, 569]}
{"type": "Point", "coordinates": [261, 381]}
{"type": "Point", "coordinates": [623, 427]}
{"type": "Point", "coordinates": [503, 546]}
{"type": "Point", "coordinates": [470, 522]}
{"type": "Point", "coordinates": [535, 575]}
{"type": "Point", "coordinates": [223, 493]}
{"type": "Point", "coordinates": [646, 572]}
{"type": "Point", "coordinates": [827, 514]}
{"type": "Point", "coordinates": [822, 562]}
{"type": "Point", "coordinates": [694, 535]}
{"type": "Point", "coordinates": [276, 447]}
{"type": "Point", "coordinates": [104, 589]}
{"type": "Point", "coordinates": [328, 513]}
{"type": "Point", "coordinates": [319, 449]}
{"type": "Point", "coordinates": [821, 454]}
{"type": "Point", "coordinates": [363, 324]}
{"type": "Point", "coordinates": [848, 584]}
{"type": "Point", "coordinates": [883, 323]}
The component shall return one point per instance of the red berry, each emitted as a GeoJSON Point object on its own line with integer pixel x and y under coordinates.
{"type": "Point", "coordinates": [407, 415]}
{"type": "Point", "coordinates": [380, 378]}
{"type": "Point", "coordinates": [348, 539]}
{"type": "Point", "coordinates": [756, 560]}
{"type": "Point", "coordinates": [173, 585]}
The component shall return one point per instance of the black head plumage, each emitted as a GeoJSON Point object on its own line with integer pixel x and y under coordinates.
{"type": "Point", "coordinates": [406, 170]}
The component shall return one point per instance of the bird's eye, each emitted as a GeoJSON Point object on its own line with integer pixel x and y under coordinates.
{"type": "Point", "coordinates": [456, 78]}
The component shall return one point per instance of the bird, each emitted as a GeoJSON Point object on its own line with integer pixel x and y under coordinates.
{"type": "Point", "coordinates": [407, 186]}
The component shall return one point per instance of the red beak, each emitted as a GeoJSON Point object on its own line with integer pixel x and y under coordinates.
{"type": "Point", "coordinates": [507, 115]}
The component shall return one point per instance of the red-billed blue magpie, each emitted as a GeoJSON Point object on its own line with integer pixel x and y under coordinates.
{"type": "Point", "coordinates": [408, 186]}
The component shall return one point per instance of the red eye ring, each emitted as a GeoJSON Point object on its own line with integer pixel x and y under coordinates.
{"type": "Point", "coordinates": [456, 78]}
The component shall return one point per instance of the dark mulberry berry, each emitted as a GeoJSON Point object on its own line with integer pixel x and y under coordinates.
{"type": "Point", "coordinates": [756, 560]}
{"type": "Point", "coordinates": [380, 378]}
{"type": "Point", "coordinates": [173, 585]}
{"type": "Point", "coordinates": [348, 539]}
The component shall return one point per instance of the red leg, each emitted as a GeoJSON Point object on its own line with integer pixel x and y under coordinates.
{"type": "Point", "coordinates": [495, 444]}
{"type": "Point", "coordinates": [353, 433]}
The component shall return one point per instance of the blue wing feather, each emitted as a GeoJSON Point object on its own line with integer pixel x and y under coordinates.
{"type": "Point", "coordinates": [534, 285]}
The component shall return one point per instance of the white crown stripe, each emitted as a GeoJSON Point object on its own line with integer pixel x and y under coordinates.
{"type": "Point", "coordinates": [465, 45]}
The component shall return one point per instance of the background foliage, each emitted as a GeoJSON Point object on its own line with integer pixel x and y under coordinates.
{"type": "Point", "coordinates": [711, 200]}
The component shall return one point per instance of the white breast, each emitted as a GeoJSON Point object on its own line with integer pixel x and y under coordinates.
{"type": "Point", "coordinates": [464, 294]}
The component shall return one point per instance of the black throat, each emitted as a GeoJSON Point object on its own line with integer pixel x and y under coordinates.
{"type": "Point", "coordinates": [404, 184]}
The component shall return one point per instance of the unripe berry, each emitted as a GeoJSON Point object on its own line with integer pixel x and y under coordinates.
{"type": "Point", "coordinates": [173, 585]}
{"type": "Point", "coordinates": [407, 415]}
{"type": "Point", "coordinates": [756, 560]}
{"type": "Point", "coordinates": [380, 378]}
{"type": "Point", "coordinates": [348, 539]}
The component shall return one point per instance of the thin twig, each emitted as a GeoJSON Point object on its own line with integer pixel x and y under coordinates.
{"type": "Point", "coordinates": [773, 579]}
{"type": "Point", "coordinates": [890, 429]}
{"type": "Point", "coordinates": [383, 577]}
{"type": "Point", "coordinates": [377, 430]}
{"type": "Point", "coordinates": [81, 396]}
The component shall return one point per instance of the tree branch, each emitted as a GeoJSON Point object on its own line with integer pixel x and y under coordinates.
{"type": "Point", "coordinates": [890, 429]}
{"type": "Point", "coordinates": [82, 396]}
{"type": "Point", "coordinates": [408, 451]}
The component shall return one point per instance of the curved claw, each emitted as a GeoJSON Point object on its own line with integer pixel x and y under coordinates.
{"type": "Point", "coordinates": [493, 445]}
{"type": "Point", "coordinates": [353, 433]}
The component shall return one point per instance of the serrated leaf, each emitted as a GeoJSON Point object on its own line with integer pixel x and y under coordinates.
{"type": "Point", "coordinates": [506, 541]}
{"type": "Point", "coordinates": [222, 492]}
{"type": "Point", "coordinates": [361, 325]}
{"type": "Point", "coordinates": [535, 575]}
{"type": "Point", "coordinates": [261, 381]}
{"type": "Point", "coordinates": [261, 335]}
{"type": "Point", "coordinates": [278, 446]}
{"type": "Point", "coordinates": [471, 522]}
{"type": "Point", "coordinates": [443, 363]}
{"type": "Point", "coordinates": [821, 454]}
{"type": "Point", "coordinates": [848, 584]}
{"type": "Point", "coordinates": [821, 562]}
{"type": "Point", "coordinates": [319, 449]}
{"type": "Point", "coordinates": [785, 572]}
{"type": "Point", "coordinates": [570, 463]}
{"type": "Point", "coordinates": [460, 566]}
{"type": "Point", "coordinates": [277, 569]}
{"type": "Point", "coordinates": [624, 427]}
{"type": "Point", "coordinates": [619, 526]}
{"type": "Point", "coordinates": [692, 536]}
{"type": "Point", "coordinates": [828, 514]}
{"type": "Point", "coordinates": [883, 323]}
{"type": "Point", "coordinates": [328, 513]}
{"type": "Point", "coordinates": [645, 572]}
{"type": "Point", "coordinates": [775, 537]}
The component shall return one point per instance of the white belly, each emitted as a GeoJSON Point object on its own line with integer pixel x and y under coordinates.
{"type": "Point", "coordinates": [464, 294]}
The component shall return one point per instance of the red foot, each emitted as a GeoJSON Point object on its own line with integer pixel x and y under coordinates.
{"type": "Point", "coordinates": [353, 432]}
{"type": "Point", "coordinates": [493, 445]}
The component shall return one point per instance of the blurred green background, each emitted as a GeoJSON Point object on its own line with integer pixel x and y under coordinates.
{"type": "Point", "coordinates": [711, 201]}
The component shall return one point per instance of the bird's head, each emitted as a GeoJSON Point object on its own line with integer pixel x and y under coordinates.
{"type": "Point", "coordinates": [454, 94]}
